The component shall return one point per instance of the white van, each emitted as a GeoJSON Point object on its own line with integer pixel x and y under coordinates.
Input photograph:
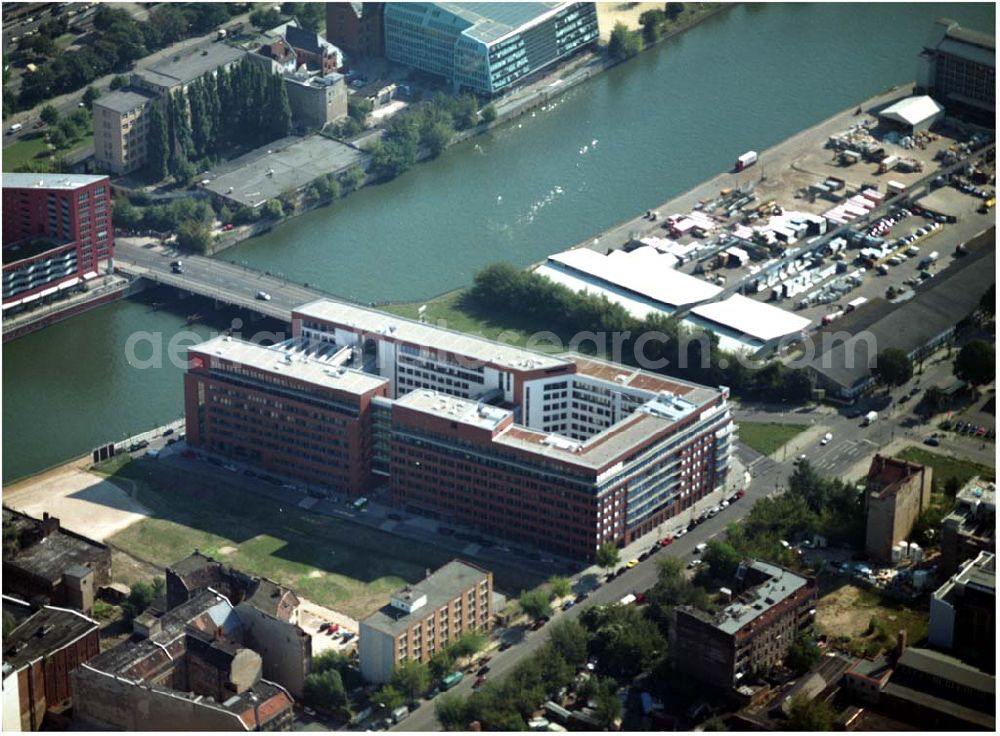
{"type": "Point", "coordinates": [700, 548]}
{"type": "Point", "coordinates": [15, 128]}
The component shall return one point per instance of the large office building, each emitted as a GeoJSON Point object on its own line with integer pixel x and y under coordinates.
{"type": "Point", "coordinates": [958, 67]}
{"type": "Point", "coordinates": [771, 605]}
{"type": "Point", "coordinates": [422, 619]}
{"type": "Point", "coordinates": [963, 613]}
{"type": "Point", "coordinates": [565, 452]}
{"type": "Point", "coordinates": [486, 47]}
{"type": "Point", "coordinates": [57, 233]}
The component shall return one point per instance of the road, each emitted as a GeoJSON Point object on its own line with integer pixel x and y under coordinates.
{"type": "Point", "coordinates": [215, 279]}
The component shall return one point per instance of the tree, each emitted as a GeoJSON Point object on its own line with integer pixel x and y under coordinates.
{"type": "Point", "coordinates": [262, 19]}
{"type": "Point", "coordinates": [141, 597]}
{"type": "Point", "coordinates": [441, 663]}
{"type": "Point", "coordinates": [118, 81]}
{"type": "Point", "coordinates": [451, 711]}
{"type": "Point", "coordinates": [623, 43]}
{"type": "Point", "coordinates": [437, 138]}
{"type": "Point", "coordinates": [467, 644]}
{"type": "Point", "coordinates": [411, 679]}
{"type": "Point", "coordinates": [805, 714]}
{"type": "Point", "coordinates": [893, 367]}
{"type": "Point", "coordinates": [325, 690]}
{"type": "Point", "coordinates": [358, 108]}
{"type": "Point", "coordinates": [802, 655]}
{"type": "Point", "coordinates": [673, 10]}
{"type": "Point", "coordinates": [194, 236]}
{"type": "Point", "coordinates": [607, 555]}
{"type": "Point", "coordinates": [90, 95]}
{"type": "Point", "coordinates": [535, 603]}
{"type": "Point", "coordinates": [570, 639]}
{"type": "Point", "coordinates": [651, 22]}
{"type": "Point", "coordinates": [623, 639]}
{"type": "Point", "coordinates": [722, 559]}
{"type": "Point", "coordinates": [388, 698]}
{"type": "Point", "coordinates": [714, 724]}
{"type": "Point", "coordinates": [49, 115]}
{"type": "Point", "coordinates": [9, 624]}
{"type": "Point", "coordinates": [353, 178]}
{"type": "Point", "coordinates": [273, 210]}
{"type": "Point", "coordinates": [57, 138]}
{"type": "Point", "coordinates": [988, 303]}
{"type": "Point", "coordinates": [489, 114]}
{"type": "Point", "coordinates": [608, 706]}
{"type": "Point", "coordinates": [976, 362]}
{"type": "Point", "coordinates": [560, 586]}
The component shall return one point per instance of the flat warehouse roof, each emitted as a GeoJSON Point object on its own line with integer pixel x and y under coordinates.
{"type": "Point", "coordinates": [271, 170]}
{"type": "Point", "coordinates": [122, 101]}
{"type": "Point", "coordinates": [190, 64]}
{"type": "Point", "coordinates": [665, 285]}
{"type": "Point", "coordinates": [753, 318]}
{"type": "Point", "coordinates": [400, 329]}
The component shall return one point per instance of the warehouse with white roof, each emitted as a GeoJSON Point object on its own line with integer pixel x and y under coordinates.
{"type": "Point", "coordinates": [645, 281]}
{"type": "Point", "coordinates": [913, 114]}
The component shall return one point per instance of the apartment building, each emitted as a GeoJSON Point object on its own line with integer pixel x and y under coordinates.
{"type": "Point", "coordinates": [770, 606]}
{"type": "Point", "coordinates": [356, 28]}
{"type": "Point", "coordinates": [424, 618]}
{"type": "Point", "coordinates": [971, 527]}
{"type": "Point", "coordinates": [121, 127]}
{"type": "Point", "coordinates": [963, 613]}
{"type": "Point", "coordinates": [38, 656]}
{"type": "Point", "coordinates": [57, 234]}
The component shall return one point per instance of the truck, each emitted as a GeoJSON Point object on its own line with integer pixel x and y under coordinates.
{"type": "Point", "coordinates": [870, 418]}
{"type": "Point", "coordinates": [449, 681]}
{"type": "Point", "coordinates": [849, 157]}
{"type": "Point", "coordinates": [829, 318]}
{"type": "Point", "coordinates": [855, 303]}
{"type": "Point", "coordinates": [888, 164]}
{"type": "Point", "coordinates": [746, 160]}
{"type": "Point", "coordinates": [894, 187]}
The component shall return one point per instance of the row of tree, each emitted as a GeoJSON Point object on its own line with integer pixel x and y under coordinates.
{"type": "Point", "coordinates": [117, 42]}
{"type": "Point", "coordinates": [234, 109]}
{"type": "Point", "coordinates": [534, 303]}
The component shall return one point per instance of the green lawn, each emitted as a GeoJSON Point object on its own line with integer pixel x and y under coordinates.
{"type": "Point", "coordinates": [448, 311]}
{"type": "Point", "coordinates": [768, 437]}
{"type": "Point", "coordinates": [946, 467]}
{"type": "Point", "coordinates": [330, 561]}
{"type": "Point", "coordinates": [34, 150]}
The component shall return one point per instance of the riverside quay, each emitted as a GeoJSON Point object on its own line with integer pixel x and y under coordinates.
{"type": "Point", "coordinates": [565, 452]}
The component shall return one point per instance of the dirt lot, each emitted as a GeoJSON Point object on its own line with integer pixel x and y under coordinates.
{"type": "Point", "coordinates": [848, 611]}
{"type": "Point", "coordinates": [85, 503]}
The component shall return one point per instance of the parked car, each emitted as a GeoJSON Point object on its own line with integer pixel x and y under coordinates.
{"type": "Point", "coordinates": [263, 296]}
{"type": "Point", "coordinates": [631, 563]}
{"type": "Point", "coordinates": [932, 441]}
{"type": "Point", "coordinates": [568, 605]}
{"type": "Point", "coordinates": [826, 438]}
{"type": "Point", "coordinates": [694, 563]}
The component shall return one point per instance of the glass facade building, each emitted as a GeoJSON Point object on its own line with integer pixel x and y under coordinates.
{"type": "Point", "coordinates": [486, 47]}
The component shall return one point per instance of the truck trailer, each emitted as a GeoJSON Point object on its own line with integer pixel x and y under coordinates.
{"type": "Point", "coordinates": [746, 160]}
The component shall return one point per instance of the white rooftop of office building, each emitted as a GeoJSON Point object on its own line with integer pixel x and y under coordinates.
{"type": "Point", "coordinates": [752, 318]}
{"type": "Point", "coordinates": [50, 181]}
{"type": "Point", "coordinates": [454, 408]}
{"type": "Point", "coordinates": [292, 360]}
{"type": "Point", "coordinates": [442, 339]}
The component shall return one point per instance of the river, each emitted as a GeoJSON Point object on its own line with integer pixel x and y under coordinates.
{"type": "Point", "coordinates": [614, 146]}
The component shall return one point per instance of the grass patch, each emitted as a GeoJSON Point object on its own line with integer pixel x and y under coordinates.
{"type": "Point", "coordinates": [34, 151]}
{"type": "Point", "coordinates": [768, 437]}
{"type": "Point", "coordinates": [331, 561]}
{"type": "Point", "coordinates": [946, 467]}
{"type": "Point", "coordinates": [453, 311]}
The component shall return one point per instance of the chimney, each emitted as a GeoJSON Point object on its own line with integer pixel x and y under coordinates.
{"type": "Point", "coordinates": [50, 524]}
